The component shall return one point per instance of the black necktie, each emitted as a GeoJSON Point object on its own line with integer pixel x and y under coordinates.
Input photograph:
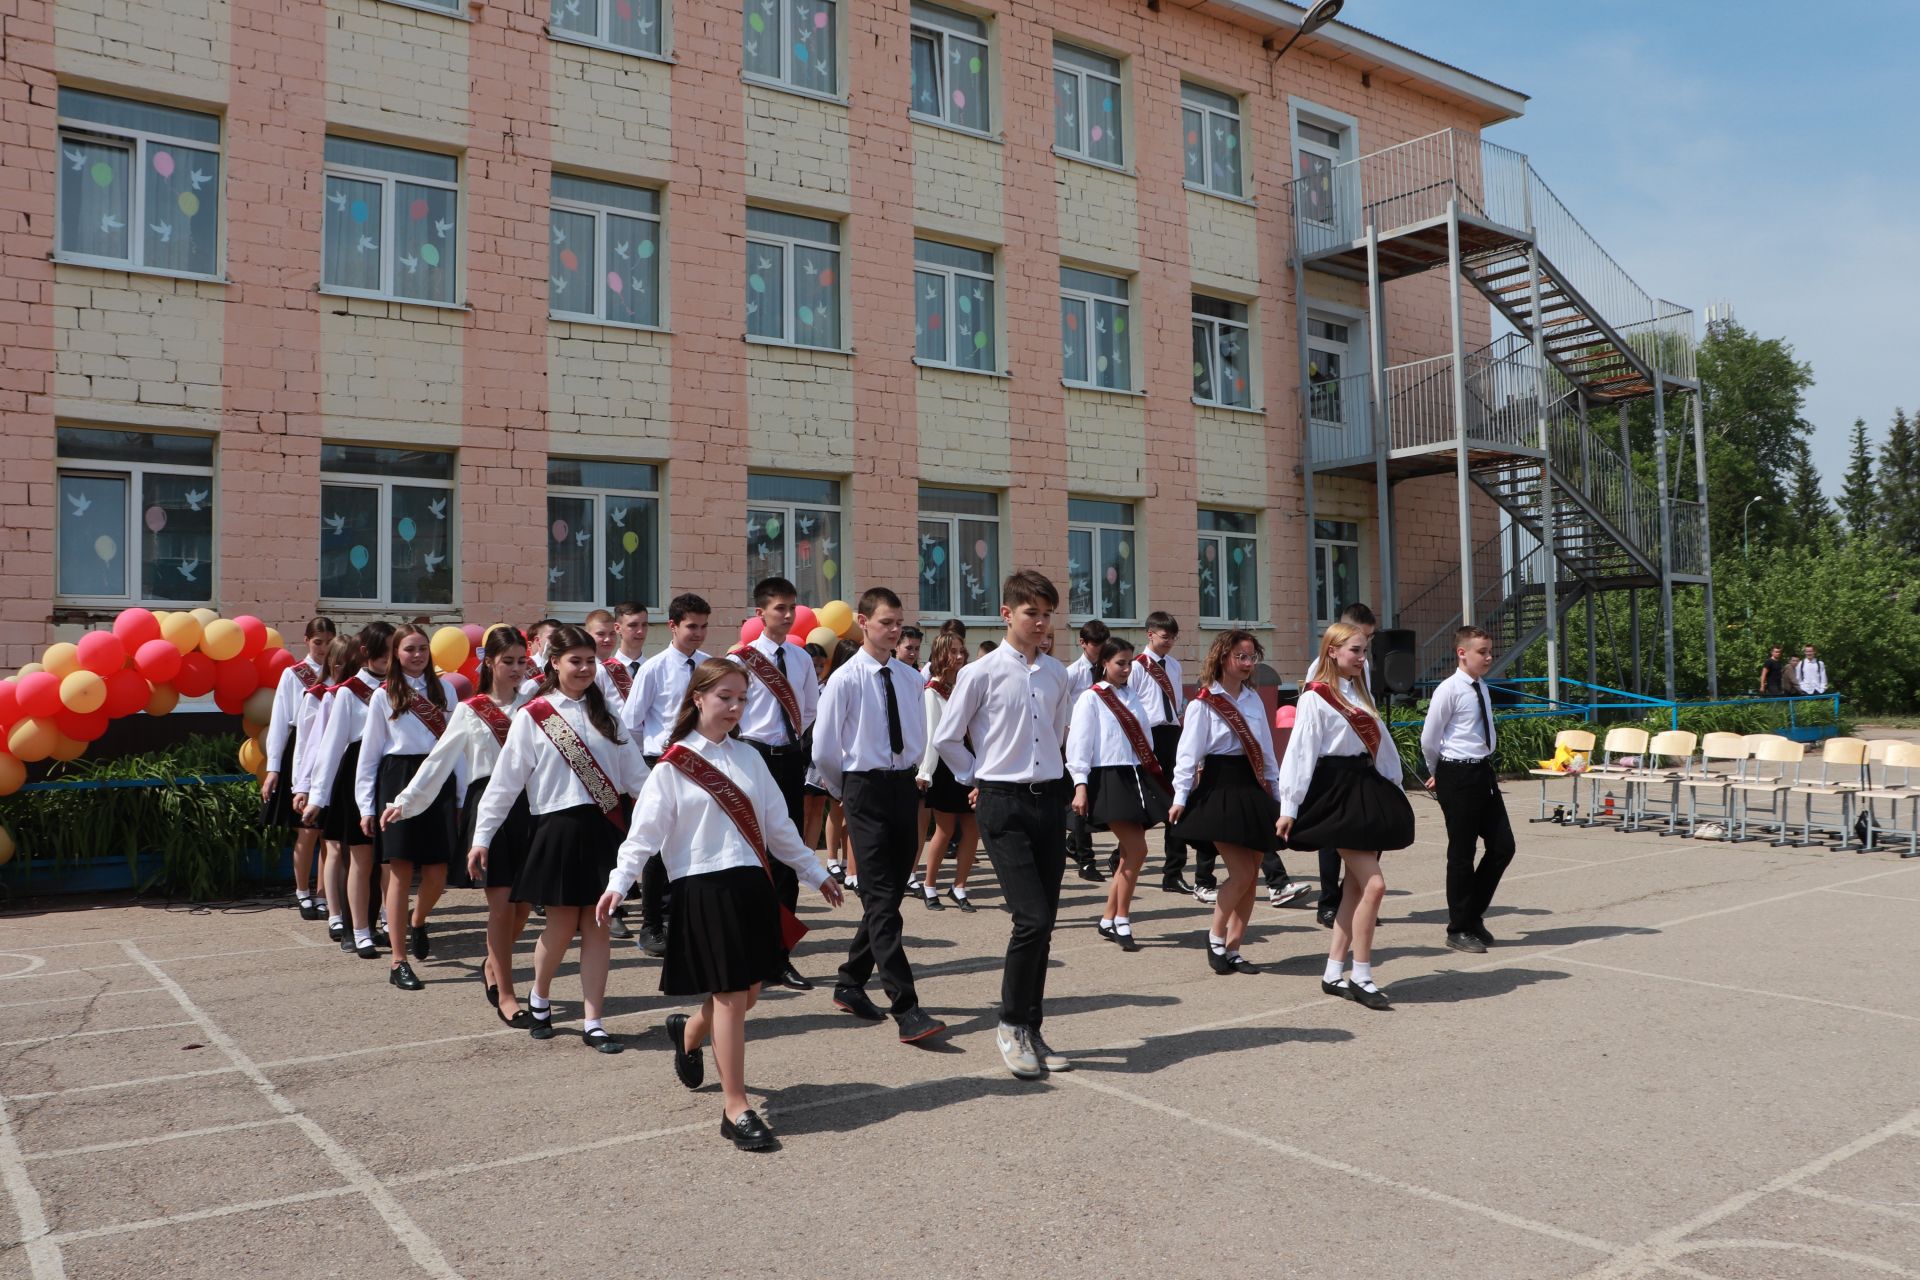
{"type": "Point", "coordinates": [1164, 695]}
{"type": "Point", "coordinates": [896, 741]}
{"type": "Point", "coordinates": [689, 668]}
{"type": "Point", "coordinates": [780, 660]}
{"type": "Point", "coordinates": [633, 669]}
{"type": "Point", "coordinates": [1480, 705]}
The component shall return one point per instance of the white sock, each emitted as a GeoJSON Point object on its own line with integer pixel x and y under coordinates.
{"type": "Point", "coordinates": [333, 920]}
{"type": "Point", "coordinates": [302, 897]}
{"type": "Point", "coordinates": [1106, 922]}
{"type": "Point", "coordinates": [959, 891]}
{"type": "Point", "coordinates": [538, 1003]}
{"type": "Point", "coordinates": [383, 919]}
{"type": "Point", "coordinates": [1362, 973]}
{"type": "Point", "coordinates": [1335, 968]}
{"type": "Point", "coordinates": [1216, 944]}
{"type": "Point", "coordinates": [363, 937]}
{"type": "Point", "coordinates": [1122, 924]}
{"type": "Point", "coordinates": [593, 1025]}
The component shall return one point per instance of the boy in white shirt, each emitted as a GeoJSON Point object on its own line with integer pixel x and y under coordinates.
{"type": "Point", "coordinates": [1081, 673]}
{"type": "Point", "coordinates": [1458, 741]}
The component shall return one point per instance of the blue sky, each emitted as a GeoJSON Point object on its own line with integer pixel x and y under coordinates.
{"type": "Point", "coordinates": [1761, 153]}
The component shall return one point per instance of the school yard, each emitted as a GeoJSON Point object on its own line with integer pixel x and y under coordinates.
{"type": "Point", "coordinates": [1683, 1059]}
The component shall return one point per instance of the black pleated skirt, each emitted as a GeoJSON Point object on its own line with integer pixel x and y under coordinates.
{"type": "Point", "coordinates": [1350, 806]}
{"type": "Point", "coordinates": [569, 858]}
{"type": "Point", "coordinates": [277, 810]}
{"type": "Point", "coordinates": [945, 794]}
{"type": "Point", "coordinates": [1230, 806]}
{"type": "Point", "coordinates": [426, 839]}
{"type": "Point", "coordinates": [1124, 793]}
{"type": "Point", "coordinates": [508, 850]}
{"type": "Point", "coordinates": [723, 933]}
{"type": "Point", "coordinates": [341, 818]}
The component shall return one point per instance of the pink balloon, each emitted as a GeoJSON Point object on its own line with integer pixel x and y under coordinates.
{"type": "Point", "coordinates": [1096, 133]}
{"type": "Point", "coordinates": [474, 632]}
{"type": "Point", "coordinates": [614, 282]}
{"type": "Point", "coordinates": [960, 99]}
{"type": "Point", "coordinates": [559, 530]}
{"type": "Point", "coordinates": [804, 623]}
{"type": "Point", "coordinates": [980, 549]}
{"type": "Point", "coordinates": [163, 163]}
{"type": "Point", "coordinates": [156, 518]}
{"type": "Point", "coordinates": [750, 630]}
{"type": "Point", "coordinates": [820, 20]}
{"type": "Point", "coordinates": [1113, 574]}
{"type": "Point", "coordinates": [461, 687]}
{"type": "Point", "coordinates": [417, 210]}
{"type": "Point", "coordinates": [1284, 717]}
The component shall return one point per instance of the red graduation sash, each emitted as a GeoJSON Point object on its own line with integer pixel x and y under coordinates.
{"type": "Point", "coordinates": [618, 671]}
{"type": "Point", "coordinates": [769, 675]}
{"type": "Point", "coordinates": [605, 796]}
{"type": "Point", "coordinates": [942, 688]}
{"type": "Point", "coordinates": [1222, 706]}
{"type": "Point", "coordinates": [491, 716]}
{"type": "Point", "coordinates": [734, 803]}
{"type": "Point", "coordinates": [429, 715]}
{"type": "Point", "coordinates": [1160, 677]}
{"type": "Point", "coordinates": [1136, 736]}
{"type": "Point", "coordinates": [358, 688]}
{"type": "Point", "coordinates": [306, 675]}
{"type": "Point", "coordinates": [1363, 725]}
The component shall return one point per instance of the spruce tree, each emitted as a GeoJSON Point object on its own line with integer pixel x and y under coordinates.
{"type": "Point", "coordinates": [1807, 507]}
{"type": "Point", "coordinates": [1900, 486]}
{"type": "Point", "coordinates": [1859, 500]}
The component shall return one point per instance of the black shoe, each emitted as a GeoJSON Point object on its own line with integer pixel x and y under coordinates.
{"type": "Point", "coordinates": [1219, 962]}
{"type": "Point", "coordinates": [1108, 932]}
{"type": "Point", "coordinates": [933, 900]}
{"type": "Point", "coordinates": [599, 1040]}
{"type": "Point", "coordinates": [691, 1068]}
{"type": "Point", "coordinates": [854, 1001]}
{"type": "Point", "coordinates": [1342, 988]}
{"type": "Point", "coordinates": [917, 1024]}
{"type": "Point", "coordinates": [1466, 942]}
{"type": "Point", "coordinates": [965, 904]}
{"type": "Point", "coordinates": [1480, 931]}
{"type": "Point", "coordinates": [540, 909]}
{"type": "Point", "coordinates": [651, 940]}
{"type": "Point", "coordinates": [1243, 965]}
{"type": "Point", "coordinates": [493, 995]}
{"type": "Point", "coordinates": [337, 930]}
{"type": "Point", "coordinates": [366, 950]}
{"type": "Point", "coordinates": [749, 1132]}
{"type": "Point", "coordinates": [617, 927]}
{"type": "Point", "coordinates": [1325, 917]}
{"type": "Point", "coordinates": [538, 1027]}
{"type": "Point", "coordinates": [418, 942]}
{"type": "Point", "coordinates": [1113, 863]}
{"type": "Point", "coordinates": [792, 981]}
{"type": "Point", "coordinates": [381, 938]}
{"type": "Point", "coordinates": [309, 910]}
{"type": "Point", "coordinates": [1089, 872]}
{"type": "Point", "coordinates": [1174, 884]}
{"type": "Point", "coordinates": [520, 1020]}
{"type": "Point", "coordinates": [1374, 999]}
{"type": "Point", "coordinates": [403, 977]}
{"type": "Point", "coordinates": [1125, 940]}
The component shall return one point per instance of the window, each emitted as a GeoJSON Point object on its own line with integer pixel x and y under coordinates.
{"type": "Point", "coordinates": [1100, 560]}
{"type": "Point", "coordinates": [1317, 151]}
{"type": "Point", "coordinates": [605, 255]}
{"type": "Point", "coordinates": [1326, 365]}
{"type": "Point", "coordinates": [603, 519]}
{"type": "Point", "coordinates": [136, 517]}
{"type": "Point", "coordinates": [1336, 568]}
{"type": "Point", "coordinates": [139, 185]}
{"type": "Point", "coordinates": [629, 25]}
{"type": "Point", "coordinates": [793, 43]}
{"type": "Point", "coordinates": [1222, 353]}
{"type": "Point", "coordinates": [390, 216]}
{"type": "Point", "coordinates": [953, 306]}
{"type": "Point", "coordinates": [793, 532]}
{"type": "Point", "coordinates": [959, 553]}
{"type": "Point", "coordinates": [386, 525]}
{"type": "Point", "coordinates": [1093, 330]}
{"type": "Point", "coordinates": [1229, 567]}
{"type": "Point", "coordinates": [1210, 123]}
{"type": "Point", "coordinates": [1087, 103]}
{"type": "Point", "coordinates": [793, 273]}
{"type": "Point", "coordinates": [949, 67]}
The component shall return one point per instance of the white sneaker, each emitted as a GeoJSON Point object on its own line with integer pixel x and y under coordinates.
{"type": "Point", "coordinates": [1288, 892]}
{"type": "Point", "coordinates": [1048, 1058]}
{"type": "Point", "coordinates": [1016, 1050]}
{"type": "Point", "coordinates": [1202, 893]}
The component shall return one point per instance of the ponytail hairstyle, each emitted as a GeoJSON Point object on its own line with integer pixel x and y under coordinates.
{"type": "Point", "coordinates": [343, 659]}
{"type": "Point", "coordinates": [1334, 638]}
{"type": "Point", "coordinates": [705, 678]}
{"type": "Point", "coordinates": [1112, 647]}
{"type": "Point", "coordinates": [320, 626]}
{"type": "Point", "coordinates": [399, 693]}
{"type": "Point", "coordinates": [564, 639]}
{"type": "Point", "coordinates": [498, 641]}
{"type": "Point", "coordinates": [1222, 647]}
{"type": "Point", "coordinates": [373, 640]}
{"type": "Point", "coordinates": [948, 656]}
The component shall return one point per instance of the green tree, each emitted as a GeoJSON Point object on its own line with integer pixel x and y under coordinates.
{"type": "Point", "coordinates": [1810, 515]}
{"type": "Point", "coordinates": [1859, 500]}
{"type": "Point", "coordinates": [1900, 485]}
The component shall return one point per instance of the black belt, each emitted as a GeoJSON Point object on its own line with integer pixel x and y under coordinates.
{"type": "Point", "coordinates": [1457, 760]}
{"type": "Point", "coordinates": [879, 775]}
{"type": "Point", "coordinates": [1048, 787]}
{"type": "Point", "coordinates": [768, 749]}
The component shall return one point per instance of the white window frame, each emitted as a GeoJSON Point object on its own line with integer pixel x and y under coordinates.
{"type": "Point", "coordinates": [789, 264]}
{"type": "Point", "coordinates": [135, 473]}
{"type": "Point", "coordinates": [787, 82]}
{"type": "Point", "coordinates": [1223, 543]}
{"type": "Point", "coordinates": [1086, 299]}
{"type": "Point", "coordinates": [931, 26]}
{"type": "Point", "coordinates": [953, 277]}
{"type": "Point", "coordinates": [952, 520]}
{"type": "Point", "coordinates": [1209, 110]}
{"type": "Point", "coordinates": [141, 140]}
{"type": "Point", "coordinates": [600, 495]}
{"type": "Point", "coordinates": [788, 512]}
{"type": "Point", "coordinates": [605, 23]}
{"type": "Point", "coordinates": [389, 214]}
{"type": "Point", "coordinates": [601, 256]}
{"type": "Point", "coordinates": [1116, 83]}
{"type": "Point", "coordinates": [1094, 528]}
{"type": "Point", "coordinates": [1345, 127]}
{"type": "Point", "coordinates": [1323, 566]}
{"type": "Point", "coordinates": [1216, 325]}
{"type": "Point", "coordinates": [385, 486]}
{"type": "Point", "coordinates": [1345, 350]}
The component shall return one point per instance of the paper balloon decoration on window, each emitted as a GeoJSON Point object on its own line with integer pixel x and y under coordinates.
{"type": "Point", "coordinates": [357, 557]}
{"type": "Point", "coordinates": [430, 255]}
{"type": "Point", "coordinates": [829, 570]}
{"type": "Point", "coordinates": [106, 548]}
{"type": "Point", "coordinates": [559, 530]}
{"type": "Point", "coordinates": [102, 174]}
{"type": "Point", "coordinates": [406, 529]}
{"type": "Point", "coordinates": [359, 211]}
{"type": "Point", "coordinates": [163, 163]}
{"type": "Point", "coordinates": [631, 541]}
{"type": "Point", "coordinates": [156, 519]}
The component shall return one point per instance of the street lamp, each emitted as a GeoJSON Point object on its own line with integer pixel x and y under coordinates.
{"type": "Point", "coordinates": [1744, 544]}
{"type": "Point", "coordinates": [1319, 15]}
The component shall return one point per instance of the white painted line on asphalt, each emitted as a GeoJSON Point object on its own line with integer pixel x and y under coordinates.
{"type": "Point", "coordinates": [1749, 991]}
{"type": "Point", "coordinates": [128, 964]}
{"type": "Point", "coordinates": [33, 963]}
{"type": "Point", "coordinates": [43, 1255]}
{"type": "Point", "coordinates": [126, 1143]}
{"type": "Point", "coordinates": [201, 1215]}
{"type": "Point", "coordinates": [117, 1084]}
{"type": "Point", "coordinates": [1878, 897]}
{"type": "Point", "coordinates": [97, 995]}
{"type": "Point", "coordinates": [417, 1243]}
{"type": "Point", "coordinates": [1867, 1260]}
{"type": "Point", "coordinates": [81, 1035]}
{"type": "Point", "coordinates": [1909, 1212]}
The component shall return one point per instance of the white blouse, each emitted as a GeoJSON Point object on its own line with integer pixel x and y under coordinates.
{"type": "Point", "coordinates": [1204, 734]}
{"type": "Point", "coordinates": [657, 693]}
{"type": "Point", "coordinates": [286, 710]}
{"type": "Point", "coordinates": [933, 706]}
{"type": "Point", "coordinates": [1147, 690]}
{"type": "Point", "coordinates": [406, 736]}
{"type": "Point", "coordinates": [346, 721]}
{"type": "Point", "coordinates": [312, 726]}
{"type": "Point", "coordinates": [1318, 731]}
{"type": "Point", "coordinates": [466, 752]}
{"type": "Point", "coordinates": [693, 835]}
{"type": "Point", "coordinates": [531, 763]}
{"type": "Point", "coordinates": [1095, 739]}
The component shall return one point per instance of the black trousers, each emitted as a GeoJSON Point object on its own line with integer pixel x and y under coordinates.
{"type": "Point", "coordinates": [1079, 838]}
{"type": "Point", "coordinates": [881, 808]}
{"type": "Point", "coordinates": [1274, 870]}
{"type": "Point", "coordinates": [1329, 880]}
{"type": "Point", "coordinates": [1025, 834]}
{"type": "Point", "coordinates": [1166, 742]}
{"type": "Point", "coordinates": [1469, 796]}
{"type": "Point", "coordinates": [654, 886]}
{"type": "Point", "coordinates": [789, 768]}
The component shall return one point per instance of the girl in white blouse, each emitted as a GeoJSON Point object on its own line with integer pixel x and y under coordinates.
{"type": "Point", "coordinates": [278, 800]}
{"type": "Point", "coordinates": [1226, 787]}
{"type": "Point", "coordinates": [342, 662]}
{"type": "Point", "coordinates": [475, 734]}
{"type": "Point", "coordinates": [336, 765]}
{"type": "Point", "coordinates": [1110, 784]}
{"type": "Point", "coordinates": [1340, 788]}
{"type": "Point", "coordinates": [404, 722]}
{"type": "Point", "coordinates": [724, 934]}
{"type": "Point", "coordinates": [566, 751]}
{"type": "Point", "coordinates": [947, 800]}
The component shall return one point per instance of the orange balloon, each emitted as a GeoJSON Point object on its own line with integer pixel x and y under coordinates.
{"type": "Point", "coordinates": [222, 639]}
{"type": "Point", "coordinates": [61, 659]}
{"type": "Point", "coordinates": [83, 691]}
{"type": "Point", "coordinates": [182, 631]}
{"type": "Point", "coordinates": [67, 748]}
{"type": "Point", "coordinates": [33, 740]}
{"type": "Point", "coordinates": [204, 615]}
{"type": "Point", "coordinates": [31, 667]}
{"type": "Point", "coordinates": [253, 757]}
{"type": "Point", "coordinates": [274, 639]}
{"type": "Point", "coordinates": [13, 774]}
{"type": "Point", "coordinates": [162, 700]}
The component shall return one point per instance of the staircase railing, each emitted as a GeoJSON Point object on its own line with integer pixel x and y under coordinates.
{"type": "Point", "coordinates": [1340, 420]}
{"type": "Point", "coordinates": [1689, 537]}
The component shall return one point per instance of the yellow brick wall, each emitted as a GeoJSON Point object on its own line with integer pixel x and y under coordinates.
{"type": "Point", "coordinates": [958, 183]}
{"type": "Point", "coordinates": [800, 410]}
{"type": "Point", "coordinates": [390, 372]}
{"type": "Point", "coordinates": [1223, 244]}
{"type": "Point", "coordinates": [963, 429]}
{"type": "Point", "coordinates": [397, 71]}
{"type": "Point", "coordinates": [155, 346]}
{"type": "Point", "coordinates": [796, 149]}
{"type": "Point", "coordinates": [1099, 215]}
{"type": "Point", "coordinates": [609, 392]}
{"type": "Point", "coordinates": [1106, 442]}
{"type": "Point", "coordinates": [612, 112]}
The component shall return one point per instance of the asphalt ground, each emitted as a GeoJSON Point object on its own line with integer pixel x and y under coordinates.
{"type": "Point", "coordinates": [1682, 1059]}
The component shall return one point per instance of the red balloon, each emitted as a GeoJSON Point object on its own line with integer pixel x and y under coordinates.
{"type": "Point", "coordinates": [87, 727]}
{"type": "Point", "coordinates": [475, 633]}
{"type": "Point", "coordinates": [471, 670]}
{"type": "Point", "coordinates": [253, 633]}
{"type": "Point", "coordinates": [271, 663]}
{"type": "Point", "coordinates": [750, 630]}
{"type": "Point", "coordinates": [127, 692]}
{"type": "Point", "coordinates": [135, 627]}
{"type": "Point", "coordinates": [195, 677]}
{"type": "Point", "coordinates": [229, 706]}
{"type": "Point", "coordinates": [804, 623]}
{"type": "Point", "coordinates": [157, 660]}
{"type": "Point", "coordinates": [9, 703]}
{"type": "Point", "coordinates": [236, 678]}
{"type": "Point", "coordinates": [462, 687]}
{"type": "Point", "coordinates": [39, 695]}
{"type": "Point", "coordinates": [101, 653]}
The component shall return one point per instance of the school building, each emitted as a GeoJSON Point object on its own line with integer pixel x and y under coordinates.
{"type": "Point", "coordinates": [488, 309]}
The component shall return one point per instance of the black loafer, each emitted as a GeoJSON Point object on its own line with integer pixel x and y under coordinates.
{"type": "Point", "coordinates": [854, 1001]}
{"type": "Point", "coordinates": [1325, 917]}
{"type": "Point", "coordinates": [748, 1133]}
{"type": "Point", "coordinates": [337, 929]}
{"type": "Point", "coordinates": [1174, 884]}
{"type": "Point", "coordinates": [965, 904]}
{"type": "Point", "coordinates": [691, 1068]}
{"type": "Point", "coordinates": [493, 995]}
{"type": "Point", "coordinates": [1126, 941]}
{"type": "Point", "coordinates": [380, 936]}
{"type": "Point", "coordinates": [1242, 965]}
{"type": "Point", "coordinates": [520, 1020]}
{"type": "Point", "coordinates": [599, 1041]}
{"type": "Point", "coordinates": [309, 910]}
{"type": "Point", "coordinates": [917, 1024]}
{"type": "Point", "coordinates": [540, 1028]}
{"type": "Point", "coordinates": [1090, 872]}
{"type": "Point", "coordinates": [1107, 931]}
{"type": "Point", "coordinates": [1375, 999]}
{"type": "Point", "coordinates": [1218, 961]}
{"type": "Point", "coordinates": [403, 977]}
{"type": "Point", "coordinates": [366, 951]}
{"type": "Point", "coordinates": [652, 940]}
{"type": "Point", "coordinates": [790, 979]}
{"type": "Point", "coordinates": [619, 928]}
{"type": "Point", "coordinates": [418, 942]}
{"type": "Point", "coordinates": [1341, 989]}
{"type": "Point", "coordinates": [1466, 942]}
{"type": "Point", "coordinates": [933, 901]}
